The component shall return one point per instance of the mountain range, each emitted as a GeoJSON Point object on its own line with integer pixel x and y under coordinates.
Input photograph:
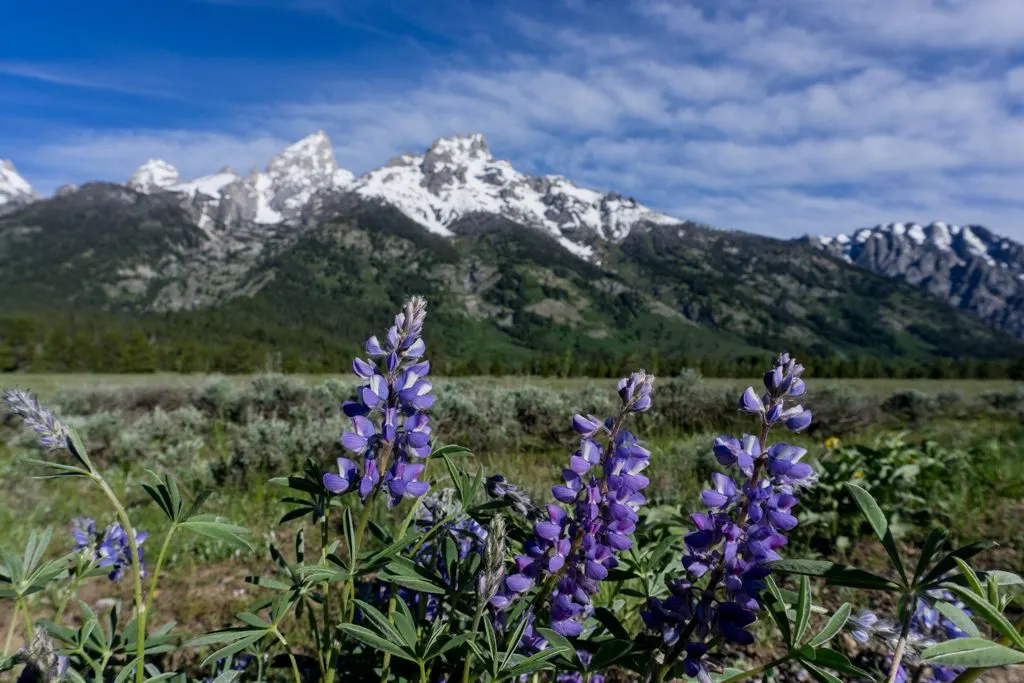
{"type": "Point", "coordinates": [303, 254]}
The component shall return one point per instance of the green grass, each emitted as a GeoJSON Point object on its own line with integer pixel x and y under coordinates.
{"type": "Point", "coordinates": [47, 385]}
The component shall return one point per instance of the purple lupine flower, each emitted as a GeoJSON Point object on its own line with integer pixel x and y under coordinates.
{"type": "Point", "coordinates": [113, 550]}
{"type": "Point", "coordinates": [83, 530]}
{"type": "Point", "coordinates": [575, 549]}
{"type": "Point", "coordinates": [862, 626]}
{"type": "Point", "coordinates": [53, 434]}
{"type": "Point", "coordinates": [347, 477]}
{"type": "Point", "coordinates": [732, 544]}
{"type": "Point", "coordinates": [389, 425]}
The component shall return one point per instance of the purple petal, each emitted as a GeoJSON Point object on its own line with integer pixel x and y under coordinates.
{"type": "Point", "coordinates": [334, 483]}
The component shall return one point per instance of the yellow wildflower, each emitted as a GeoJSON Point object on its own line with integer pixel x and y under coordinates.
{"type": "Point", "coordinates": [832, 443]}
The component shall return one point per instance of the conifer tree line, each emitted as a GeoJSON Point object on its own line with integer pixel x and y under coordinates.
{"type": "Point", "coordinates": [31, 344]}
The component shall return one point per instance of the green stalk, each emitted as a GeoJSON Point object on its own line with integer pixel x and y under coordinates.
{"type": "Point", "coordinates": [469, 656]}
{"type": "Point", "coordinates": [140, 605]}
{"type": "Point", "coordinates": [159, 564]}
{"type": "Point", "coordinates": [901, 646]}
{"type": "Point", "coordinates": [10, 630]}
{"type": "Point", "coordinates": [423, 672]}
{"type": "Point", "coordinates": [348, 603]}
{"type": "Point", "coordinates": [391, 602]}
{"type": "Point", "coordinates": [328, 632]}
{"type": "Point", "coordinates": [291, 657]}
{"type": "Point", "coordinates": [28, 620]}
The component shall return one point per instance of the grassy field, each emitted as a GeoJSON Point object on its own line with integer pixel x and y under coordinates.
{"type": "Point", "coordinates": [232, 434]}
{"type": "Point", "coordinates": [48, 385]}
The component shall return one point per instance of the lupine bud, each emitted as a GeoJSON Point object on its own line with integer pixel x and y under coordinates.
{"type": "Point", "coordinates": [53, 434]}
{"type": "Point", "coordinates": [750, 402]}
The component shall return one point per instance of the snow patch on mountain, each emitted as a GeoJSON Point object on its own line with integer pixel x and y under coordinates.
{"type": "Point", "coordinates": [966, 242]}
{"type": "Point", "coordinates": [277, 195]}
{"type": "Point", "coordinates": [14, 190]}
{"type": "Point", "coordinates": [458, 176]}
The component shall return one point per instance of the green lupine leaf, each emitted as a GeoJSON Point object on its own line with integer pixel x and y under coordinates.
{"type": "Point", "coordinates": [234, 647]}
{"type": "Point", "coordinates": [833, 659]}
{"type": "Point", "coordinates": [972, 579]}
{"type": "Point", "coordinates": [936, 539]}
{"type": "Point", "coordinates": [777, 609]}
{"type": "Point", "coordinates": [835, 574]}
{"type": "Point", "coordinates": [834, 626]}
{"type": "Point", "coordinates": [989, 613]}
{"type": "Point", "coordinates": [972, 653]}
{"type": "Point", "coordinates": [820, 674]}
{"type": "Point", "coordinates": [948, 562]}
{"type": "Point", "coordinates": [958, 617]}
{"type": "Point", "coordinates": [216, 528]}
{"type": "Point", "coordinates": [560, 643]}
{"type": "Point", "coordinates": [405, 624]}
{"type": "Point", "coordinates": [368, 637]}
{"type": "Point", "coordinates": [227, 635]}
{"type": "Point", "coordinates": [803, 611]}
{"type": "Point", "coordinates": [531, 664]}
{"type": "Point", "coordinates": [880, 525]}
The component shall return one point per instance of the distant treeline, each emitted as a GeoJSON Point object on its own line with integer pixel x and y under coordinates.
{"type": "Point", "coordinates": [31, 345]}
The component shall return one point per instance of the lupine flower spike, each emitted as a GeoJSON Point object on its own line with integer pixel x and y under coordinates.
{"type": "Point", "coordinates": [390, 430]}
{"type": "Point", "coordinates": [572, 551]}
{"type": "Point", "coordinates": [742, 530]}
{"type": "Point", "coordinates": [53, 434]}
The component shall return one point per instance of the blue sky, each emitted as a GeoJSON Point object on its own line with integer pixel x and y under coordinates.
{"type": "Point", "coordinates": [782, 117]}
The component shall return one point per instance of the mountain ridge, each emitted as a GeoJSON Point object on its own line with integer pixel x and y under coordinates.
{"type": "Point", "coordinates": [970, 267]}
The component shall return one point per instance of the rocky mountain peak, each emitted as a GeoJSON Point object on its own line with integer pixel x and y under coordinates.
{"type": "Point", "coordinates": [14, 190]}
{"type": "Point", "coordinates": [155, 174]}
{"type": "Point", "coordinates": [969, 266]}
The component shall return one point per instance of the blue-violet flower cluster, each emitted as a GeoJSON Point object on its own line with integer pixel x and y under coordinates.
{"type": "Point", "coordinates": [742, 530]}
{"type": "Point", "coordinates": [110, 549]}
{"type": "Point", "coordinates": [391, 431]}
{"type": "Point", "coordinates": [574, 550]}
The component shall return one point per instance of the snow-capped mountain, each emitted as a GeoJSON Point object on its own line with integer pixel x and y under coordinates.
{"type": "Point", "coordinates": [226, 199]}
{"type": "Point", "coordinates": [969, 266]}
{"type": "Point", "coordinates": [458, 177]}
{"type": "Point", "coordinates": [14, 190]}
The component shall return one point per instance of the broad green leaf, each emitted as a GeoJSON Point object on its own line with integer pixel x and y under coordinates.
{"type": "Point", "coordinates": [612, 623]}
{"type": "Point", "coordinates": [835, 574]}
{"type": "Point", "coordinates": [834, 625]}
{"type": "Point", "coordinates": [253, 620]}
{"type": "Point", "coordinates": [381, 622]}
{"type": "Point", "coordinates": [880, 525]}
{"type": "Point", "coordinates": [958, 617]}
{"type": "Point", "coordinates": [973, 653]}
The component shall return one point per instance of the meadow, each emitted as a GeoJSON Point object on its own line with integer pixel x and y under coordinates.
{"type": "Point", "coordinates": [930, 451]}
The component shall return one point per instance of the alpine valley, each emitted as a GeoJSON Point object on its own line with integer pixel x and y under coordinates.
{"type": "Point", "coordinates": [291, 264]}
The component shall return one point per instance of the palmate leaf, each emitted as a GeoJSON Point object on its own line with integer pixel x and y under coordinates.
{"type": "Point", "coordinates": [531, 664]}
{"type": "Point", "coordinates": [948, 562]}
{"type": "Point", "coordinates": [936, 539]}
{"type": "Point", "coordinates": [559, 642]}
{"type": "Point", "coordinates": [971, 652]}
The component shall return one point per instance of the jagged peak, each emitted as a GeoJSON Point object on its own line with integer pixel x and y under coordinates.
{"type": "Point", "coordinates": [11, 182]}
{"type": "Point", "coordinates": [472, 145]}
{"type": "Point", "coordinates": [155, 174]}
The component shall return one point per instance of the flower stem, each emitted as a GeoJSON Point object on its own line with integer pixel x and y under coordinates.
{"type": "Point", "coordinates": [901, 646]}
{"type": "Point", "coordinates": [291, 657]}
{"type": "Point", "coordinates": [28, 620]}
{"type": "Point", "coordinates": [133, 551]}
{"type": "Point", "coordinates": [159, 564]}
{"type": "Point", "coordinates": [10, 629]}
{"type": "Point", "coordinates": [394, 594]}
{"type": "Point", "coordinates": [469, 655]}
{"type": "Point", "coordinates": [423, 672]}
{"type": "Point", "coordinates": [328, 632]}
